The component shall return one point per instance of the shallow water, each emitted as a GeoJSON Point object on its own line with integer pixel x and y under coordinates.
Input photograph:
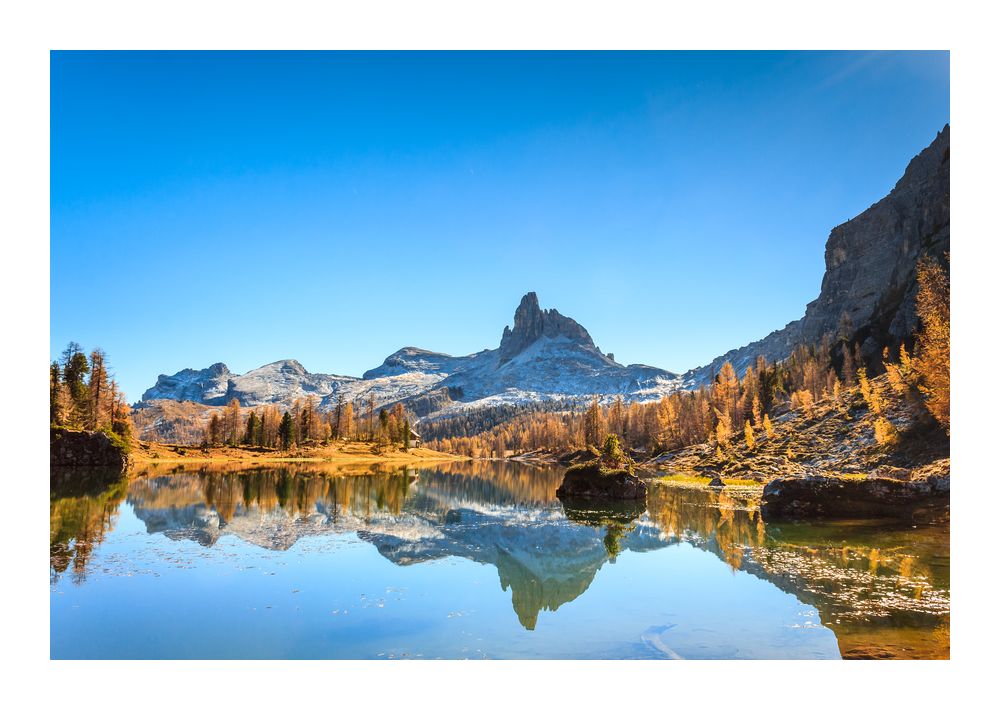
{"type": "Point", "coordinates": [474, 560]}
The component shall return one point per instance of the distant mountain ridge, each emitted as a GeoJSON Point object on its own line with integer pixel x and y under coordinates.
{"type": "Point", "coordinates": [545, 356]}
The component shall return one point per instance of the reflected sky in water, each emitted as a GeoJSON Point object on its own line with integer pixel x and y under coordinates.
{"type": "Point", "coordinates": [473, 560]}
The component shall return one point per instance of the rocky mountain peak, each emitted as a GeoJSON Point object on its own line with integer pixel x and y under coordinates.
{"type": "Point", "coordinates": [289, 366]}
{"type": "Point", "coordinates": [532, 323]}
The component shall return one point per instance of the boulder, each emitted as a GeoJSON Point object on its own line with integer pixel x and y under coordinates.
{"type": "Point", "coordinates": [716, 482]}
{"type": "Point", "coordinates": [824, 496]}
{"type": "Point", "coordinates": [591, 481]}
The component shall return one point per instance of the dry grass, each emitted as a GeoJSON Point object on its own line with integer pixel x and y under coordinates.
{"type": "Point", "coordinates": [341, 452]}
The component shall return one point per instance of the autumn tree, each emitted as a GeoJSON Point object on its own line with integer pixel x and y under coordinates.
{"type": "Point", "coordinates": [594, 427]}
{"type": "Point", "coordinates": [932, 357]}
{"type": "Point", "coordinates": [120, 413]}
{"type": "Point", "coordinates": [723, 428]}
{"type": "Point", "coordinates": [232, 423]}
{"type": "Point", "coordinates": [98, 391]}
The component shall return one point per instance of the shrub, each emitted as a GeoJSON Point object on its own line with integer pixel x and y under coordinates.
{"type": "Point", "coordinates": [123, 445]}
{"type": "Point", "coordinates": [612, 455]}
{"type": "Point", "coordinates": [885, 433]}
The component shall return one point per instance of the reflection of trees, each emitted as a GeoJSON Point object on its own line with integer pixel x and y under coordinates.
{"type": "Point", "coordinates": [882, 587]}
{"type": "Point", "coordinates": [715, 518]}
{"type": "Point", "coordinates": [78, 522]}
{"type": "Point", "coordinates": [297, 494]}
{"type": "Point", "coordinates": [618, 519]}
{"type": "Point", "coordinates": [298, 490]}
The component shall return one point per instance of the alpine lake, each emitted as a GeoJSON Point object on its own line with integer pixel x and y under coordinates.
{"type": "Point", "coordinates": [474, 559]}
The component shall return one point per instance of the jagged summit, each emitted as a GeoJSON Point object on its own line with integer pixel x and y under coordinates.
{"type": "Point", "coordinates": [532, 323]}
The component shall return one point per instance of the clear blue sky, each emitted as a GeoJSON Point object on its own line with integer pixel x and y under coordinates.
{"type": "Point", "coordinates": [334, 207]}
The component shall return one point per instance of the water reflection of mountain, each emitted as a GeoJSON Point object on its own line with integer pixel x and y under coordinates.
{"type": "Point", "coordinates": [883, 589]}
{"type": "Point", "coordinates": [505, 516]}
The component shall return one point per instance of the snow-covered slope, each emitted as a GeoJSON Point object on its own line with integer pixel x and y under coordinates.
{"type": "Point", "coordinates": [544, 356]}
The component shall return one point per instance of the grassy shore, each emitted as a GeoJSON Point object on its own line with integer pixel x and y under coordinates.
{"type": "Point", "coordinates": [693, 481]}
{"type": "Point", "coordinates": [346, 452]}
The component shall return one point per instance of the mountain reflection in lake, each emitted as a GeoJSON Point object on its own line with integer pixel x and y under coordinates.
{"type": "Point", "coordinates": [474, 560]}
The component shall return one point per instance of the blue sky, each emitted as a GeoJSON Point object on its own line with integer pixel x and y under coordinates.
{"type": "Point", "coordinates": [334, 207]}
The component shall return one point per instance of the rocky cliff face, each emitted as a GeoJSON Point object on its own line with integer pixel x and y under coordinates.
{"type": "Point", "coordinates": [868, 293]}
{"type": "Point", "coordinates": [207, 386]}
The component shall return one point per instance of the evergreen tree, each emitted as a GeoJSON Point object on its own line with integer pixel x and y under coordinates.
{"type": "Point", "coordinates": [338, 414]}
{"type": "Point", "coordinates": [214, 434]}
{"type": "Point", "coordinates": [286, 431]}
{"type": "Point", "coordinates": [250, 436]}
{"type": "Point", "coordinates": [612, 455]}
{"type": "Point", "coordinates": [75, 367]}
{"type": "Point", "coordinates": [55, 395]}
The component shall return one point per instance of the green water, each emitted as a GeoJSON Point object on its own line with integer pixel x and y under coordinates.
{"type": "Point", "coordinates": [474, 560]}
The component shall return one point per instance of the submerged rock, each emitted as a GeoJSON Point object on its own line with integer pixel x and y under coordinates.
{"type": "Point", "coordinates": [839, 497]}
{"type": "Point", "coordinates": [591, 481]}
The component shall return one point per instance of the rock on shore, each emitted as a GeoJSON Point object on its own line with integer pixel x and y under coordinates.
{"type": "Point", "coordinates": [821, 496]}
{"type": "Point", "coordinates": [72, 449]}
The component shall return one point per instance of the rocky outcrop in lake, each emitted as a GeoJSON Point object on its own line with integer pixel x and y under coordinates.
{"type": "Point", "coordinates": [591, 481]}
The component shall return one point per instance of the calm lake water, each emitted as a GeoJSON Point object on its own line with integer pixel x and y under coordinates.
{"type": "Point", "coordinates": [474, 560]}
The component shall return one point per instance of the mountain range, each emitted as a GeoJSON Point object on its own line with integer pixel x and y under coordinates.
{"type": "Point", "coordinates": [867, 296]}
{"type": "Point", "coordinates": [546, 356]}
